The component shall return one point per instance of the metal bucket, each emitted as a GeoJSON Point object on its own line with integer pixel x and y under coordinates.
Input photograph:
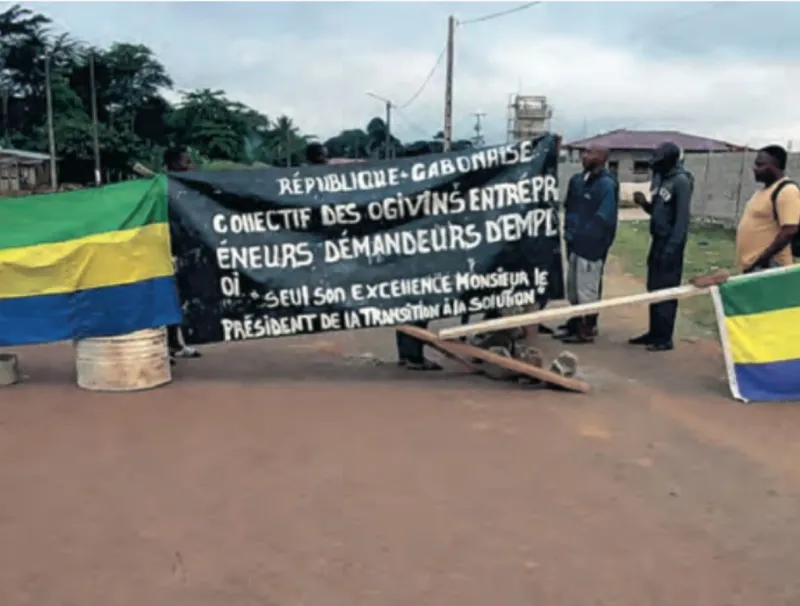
{"type": "Point", "coordinates": [139, 360]}
{"type": "Point", "coordinates": [9, 369]}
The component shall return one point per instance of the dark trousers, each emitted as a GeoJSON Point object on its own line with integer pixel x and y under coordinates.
{"type": "Point", "coordinates": [410, 349]}
{"type": "Point", "coordinates": [663, 273]}
{"type": "Point", "coordinates": [173, 338]}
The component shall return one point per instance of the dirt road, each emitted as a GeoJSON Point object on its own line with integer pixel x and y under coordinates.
{"type": "Point", "coordinates": [297, 472]}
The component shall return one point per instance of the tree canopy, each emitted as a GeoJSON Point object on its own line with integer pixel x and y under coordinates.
{"type": "Point", "coordinates": [136, 123]}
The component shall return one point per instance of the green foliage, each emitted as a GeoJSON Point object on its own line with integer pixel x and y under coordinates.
{"type": "Point", "coordinates": [135, 122]}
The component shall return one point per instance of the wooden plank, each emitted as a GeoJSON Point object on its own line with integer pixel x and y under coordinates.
{"type": "Point", "coordinates": [443, 347]}
{"type": "Point", "coordinates": [464, 353]}
{"type": "Point", "coordinates": [570, 311]}
{"type": "Point", "coordinates": [142, 170]}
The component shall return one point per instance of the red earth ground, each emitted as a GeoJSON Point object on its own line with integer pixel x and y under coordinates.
{"type": "Point", "coordinates": [299, 472]}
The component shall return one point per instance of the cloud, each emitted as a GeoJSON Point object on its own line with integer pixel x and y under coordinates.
{"type": "Point", "coordinates": [323, 87]}
{"type": "Point", "coordinates": [691, 67]}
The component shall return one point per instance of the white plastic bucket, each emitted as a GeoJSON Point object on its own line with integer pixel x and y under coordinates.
{"type": "Point", "coordinates": [139, 360]}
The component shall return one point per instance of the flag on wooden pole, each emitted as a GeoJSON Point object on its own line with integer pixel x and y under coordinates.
{"type": "Point", "coordinates": [759, 326]}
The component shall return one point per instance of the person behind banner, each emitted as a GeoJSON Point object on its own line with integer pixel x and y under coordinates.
{"type": "Point", "coordinates": [410, 351]}
{"type": "Point", "coordinates": [316, 153]}
{"type": "Point", "coordinates": [592, 209]}
{"type": "Point", "coordinates": [178, 160]}
{"type": "Point", "coordinates": [669, 210]}
{"type": "Point", "coordinates": [770, 219]}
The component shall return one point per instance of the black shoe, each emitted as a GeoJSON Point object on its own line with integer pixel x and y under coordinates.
{"type": "Point", "coordinates": [575, 339]}
{"type": "Point", "coordinates": [663, 346]}
{"type": "Point", "coordinates": [545, 330]}
{"type": "Point", "coordinates": [423, 365]}
{"type": "Point", "coordinates": [644, 339]}
{"type": "Point", "coordinates": [563, 334]}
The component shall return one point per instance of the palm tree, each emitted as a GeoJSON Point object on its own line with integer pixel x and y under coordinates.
{"type": "Point", "coordinates": [286, 143]}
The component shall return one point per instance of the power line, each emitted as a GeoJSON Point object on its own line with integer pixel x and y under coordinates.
{"type": "Point", "coordinates": [411, 123]}
{"type": "Point", "coordinates": [647, 30]}
{"type": "Point", "coordinates": [427, 81]}
{"type": "Point", "coordinates": [508, 11]}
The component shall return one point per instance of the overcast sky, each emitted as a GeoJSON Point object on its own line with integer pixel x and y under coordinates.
{"type": "Point", "coordinates": [726, 70]}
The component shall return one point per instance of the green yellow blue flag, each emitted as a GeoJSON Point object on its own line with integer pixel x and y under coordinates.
{"type": "Point", "coordinates": [759, 325]}
{"type": "Point", "coordinates": [87, 263]}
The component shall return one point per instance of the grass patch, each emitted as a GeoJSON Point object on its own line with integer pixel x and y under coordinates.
{"type": "Point", "coordinates": [709, 247]}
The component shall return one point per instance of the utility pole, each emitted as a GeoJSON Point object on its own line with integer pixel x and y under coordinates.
{"type": "Point", "coordinates": [448, 87]}
{"type": "Point", "coordinates": [51, 134]}
{"type": "Point", "coordinates": [5, 94]}
{"type": "Point", "coordinates": [388, 144]}
{"type": "Point", "coordinates": [95, 136]}
{"type": "Point", "coordinates": [478, 141]}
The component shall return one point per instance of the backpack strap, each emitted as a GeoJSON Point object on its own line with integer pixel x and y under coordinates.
{"type": "Point", "coordinates": [774, 196]}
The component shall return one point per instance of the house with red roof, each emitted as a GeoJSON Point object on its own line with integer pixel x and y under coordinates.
{"type": "Point", "coordinates": [630, 150]}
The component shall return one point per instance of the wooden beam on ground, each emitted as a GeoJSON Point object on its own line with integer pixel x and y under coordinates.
{"type": "Point", "coordinates": [443, 347]}
{"type": "Point", "coordinates": [704, 284]}
{"type": "Point", "coordinates": [464, 354]}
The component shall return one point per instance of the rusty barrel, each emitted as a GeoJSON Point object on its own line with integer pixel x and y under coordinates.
{"type": "Point", "coordinates": [131, 362]}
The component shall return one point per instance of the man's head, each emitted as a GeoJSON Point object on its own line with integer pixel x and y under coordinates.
{"type": "Point", "coordinates": [666, 157]}
{"type": "Point", "coordinates": [316, 153]}
{"type": "Point", "coordinates": [770, 164]}
{"type": "Point", "coordinates": [177, 160]}
{"type": "Point", "coordinates": [594, 158]}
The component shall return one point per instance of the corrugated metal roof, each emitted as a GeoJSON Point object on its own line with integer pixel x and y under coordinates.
{"type": "Point", "coordinates": [649, 139]}
{"type": "Point", "coordinates": [26, 155]}
{"type": "Point", "coordinates": [335, 161]}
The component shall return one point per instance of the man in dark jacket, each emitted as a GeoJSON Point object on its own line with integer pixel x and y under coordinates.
{"type": "Point", "coordinates": [669, 210]}
{"type": "Point", "coordinates": [178, 160]}
{"type": "Point", "coordinates": [591, 214]}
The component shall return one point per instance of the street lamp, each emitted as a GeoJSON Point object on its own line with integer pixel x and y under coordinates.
{"type": "Point", "coordinates": [389, 105]}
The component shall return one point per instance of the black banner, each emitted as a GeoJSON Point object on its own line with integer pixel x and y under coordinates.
{"type": "Point", "coordinates": [280, 252]}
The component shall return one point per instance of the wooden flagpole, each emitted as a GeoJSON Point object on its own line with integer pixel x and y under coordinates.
{"type": "Point", "coordinates": [570, 311]}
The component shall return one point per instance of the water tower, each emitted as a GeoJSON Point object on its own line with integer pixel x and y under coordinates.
{"type": "Point", "coordinates": [528, 117]}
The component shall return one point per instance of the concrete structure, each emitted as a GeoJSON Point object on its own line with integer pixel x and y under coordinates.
{"type": "Point", "coordinates": [723, 182]}
{"type": "Point", "coordinates": [630, 150]}
{"type": "Point", "coordinates": [22, 171]}
{"type": "Point", "coordinates": [528, 117]}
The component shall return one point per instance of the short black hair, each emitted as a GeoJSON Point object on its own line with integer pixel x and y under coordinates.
{"type": "Point", "coordinates": [315, 153]}
{"type": "Point", "coordinates": [173, 155]}
{"type": "Point", "coordinates": [777, 153]}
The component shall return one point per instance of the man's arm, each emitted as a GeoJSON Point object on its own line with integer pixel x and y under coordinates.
{"type": "Point", "coordinates": [569, 228]}
{"type": "Point", "coordinates": [568, 195]}
{"type": "Point", "coordinates": [788, 210]}
{"type": "Point", "coordinates": [597, 228]}
{"type": "Point", "coordinates": [682, 199]}
{"type": "Point", "coordinates": [641, 202]}
{"type": "Point", "coordinates": [607, 209]}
